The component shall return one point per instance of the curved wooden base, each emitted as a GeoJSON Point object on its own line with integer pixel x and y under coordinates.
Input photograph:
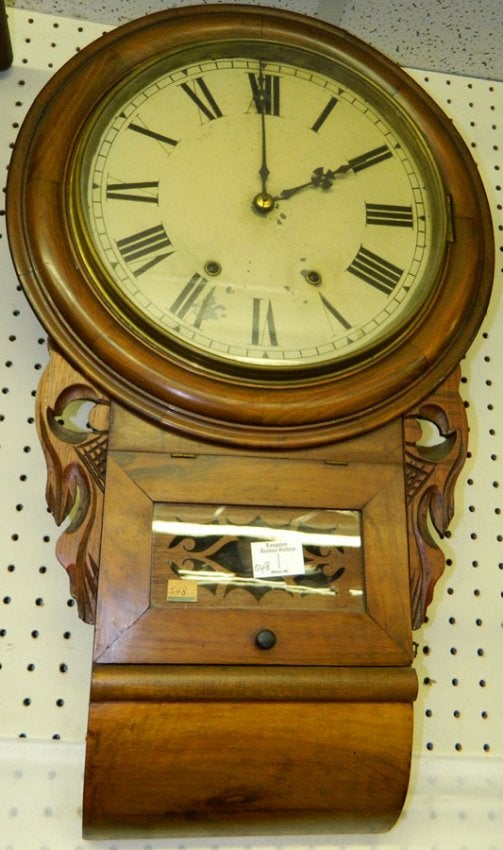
{"type": "Point", "coordinates": [215, 752]}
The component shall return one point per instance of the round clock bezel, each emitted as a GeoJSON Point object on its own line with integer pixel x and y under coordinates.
{"type": "Point", "coordinates": [236, 406]}
{"type": "Point", "coordinates": [245, 368]}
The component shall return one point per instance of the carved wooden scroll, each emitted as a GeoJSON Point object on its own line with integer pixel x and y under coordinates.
{"type": "Point", "coordinates": [431, 471]}
{"type": "Point", "coordinates": [75, 452]}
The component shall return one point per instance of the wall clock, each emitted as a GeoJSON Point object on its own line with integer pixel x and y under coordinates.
{"type": "Point", "coordinates": [260, 252]}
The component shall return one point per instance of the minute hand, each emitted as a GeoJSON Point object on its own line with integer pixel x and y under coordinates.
{"type": "Point", "coordinates": [320, 179]}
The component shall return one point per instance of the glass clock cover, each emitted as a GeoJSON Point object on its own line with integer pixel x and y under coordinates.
{"type": "Point", "coordinates": [256, 206]}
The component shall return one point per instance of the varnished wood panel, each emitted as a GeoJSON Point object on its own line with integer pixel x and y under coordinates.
{"type": "Point", "coordinates": [220, 479]}
{"type": "Point", "coordinates": [132, 433]}
{"type": "Point", "coordinates": [235, 767]}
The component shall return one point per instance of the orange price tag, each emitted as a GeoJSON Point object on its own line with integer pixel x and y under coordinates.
{"type": "Point", "coordinates": [181, 590]}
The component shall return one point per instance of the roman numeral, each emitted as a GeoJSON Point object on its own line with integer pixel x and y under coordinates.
{"type": "Point", "coordinates": [375, 270]}
{"type": "Point", "coordinates": [188, 298]}
{"type": "Point", "coordinates": [365, 160]}
{"type": "Point", "coordinates": [389, 214]}
{"type": "Point", "coordinates": [263, 327]}
{"type": "Point", "coordinates": [144, 131]}
{"type": "Point", "coordinates": [333, 312]}
{"type": "Point", "coordinates": [325, 112]}
{"type": "Point", "coordinates": [266, 93]}
{"type": "Point", "coordinates": [146, 192]}
{"type": "Point", "coordinates": [203, 98]}
{"type": "Point", "coordinates": [150, 244]}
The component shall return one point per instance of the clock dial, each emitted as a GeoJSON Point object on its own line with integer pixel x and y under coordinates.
{"type": "Point", "coordinates": [259, 209]}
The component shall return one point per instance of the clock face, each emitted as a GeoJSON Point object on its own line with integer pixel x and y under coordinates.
{"type": "Point", "coordinates": [252, 206]}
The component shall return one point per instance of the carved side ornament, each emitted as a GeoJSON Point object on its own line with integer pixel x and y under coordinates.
{"type": "Point", "coordinates": [75, 450]}
{"type": "Point", "coordinates": [75, 453]}
{"type": "Point", "coordinates": [431, 472]}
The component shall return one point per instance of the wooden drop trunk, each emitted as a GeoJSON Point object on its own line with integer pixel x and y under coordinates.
{"type": "Point", "coordinates": [220, 751]}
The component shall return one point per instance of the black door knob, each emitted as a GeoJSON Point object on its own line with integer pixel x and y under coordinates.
{"type": "Point", "coordinates": [265, 639]}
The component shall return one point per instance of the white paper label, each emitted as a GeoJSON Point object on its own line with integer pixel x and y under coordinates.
{"type": "Point", "coordinates": [273, 558]}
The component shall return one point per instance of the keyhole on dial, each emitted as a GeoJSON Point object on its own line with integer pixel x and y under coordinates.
{"type": "Point", "coordinates": [313, 277]}
{"type": "Point", "coordinates": [213, 268]}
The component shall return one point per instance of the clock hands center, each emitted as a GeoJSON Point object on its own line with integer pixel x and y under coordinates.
{"type": "Point", "coordinates": [320, 179]}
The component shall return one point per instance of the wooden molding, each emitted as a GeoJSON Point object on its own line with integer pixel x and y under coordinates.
{"type": "Point", "coordinates": [211, 683]}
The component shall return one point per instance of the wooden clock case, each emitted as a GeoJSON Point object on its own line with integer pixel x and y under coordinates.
{"type": "Point", "coordinates": [195, 725]}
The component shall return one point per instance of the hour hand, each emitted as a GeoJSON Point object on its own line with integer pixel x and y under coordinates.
{"type": "Point", "coordinates": [321, 178]}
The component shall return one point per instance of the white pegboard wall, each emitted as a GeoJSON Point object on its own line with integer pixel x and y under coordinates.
{"type": "Point", "coordinates": [45, 651]}
{"type": "Point", "coordinates": [44, 648]}
{"type": "Point", "coordinates": [460, 647]}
